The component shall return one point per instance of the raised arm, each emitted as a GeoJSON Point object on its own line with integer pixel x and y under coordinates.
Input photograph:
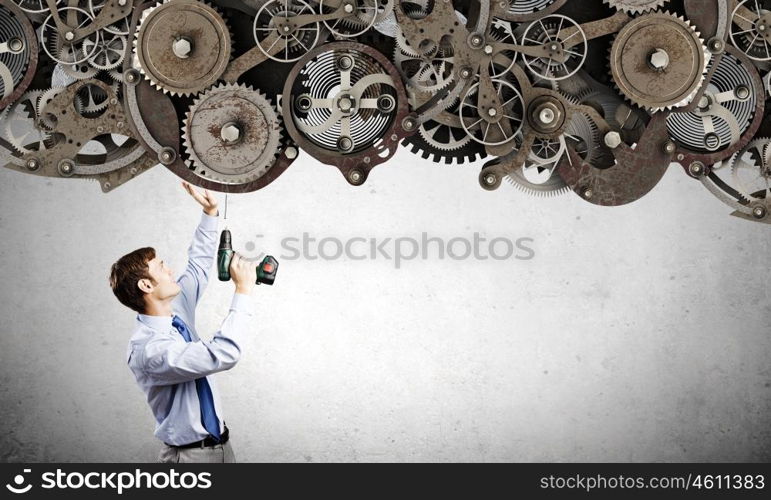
{"type": "Point", "coordinates": [168, 359]}
{"type": "Point", "coordinates": [201, 252]}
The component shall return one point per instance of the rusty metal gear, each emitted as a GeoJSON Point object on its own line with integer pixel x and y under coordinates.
{"type": "Point", "coordinates": [658, 61]}
{"type": "Point", "coordinates": [636, 6]}
{"type": "Point", "coordinates": [182, 46]}
{"type": "Point", "coordinates": [231, 134]}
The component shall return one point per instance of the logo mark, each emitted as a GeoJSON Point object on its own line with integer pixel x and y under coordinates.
{"type": "Point", "coordinates": [19, 481]}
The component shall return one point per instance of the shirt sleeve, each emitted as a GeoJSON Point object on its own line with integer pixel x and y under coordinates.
{"type": "Point", "coordinates": [201, 255]}
{"type": "Point", "coordinates": [168, 359]}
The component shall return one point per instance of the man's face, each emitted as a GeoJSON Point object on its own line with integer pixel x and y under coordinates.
{"type": "Point", "coordinates": [165, 286]}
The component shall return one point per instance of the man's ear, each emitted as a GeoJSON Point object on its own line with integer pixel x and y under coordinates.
{"type": "Point", "coordinates": [145, 285]}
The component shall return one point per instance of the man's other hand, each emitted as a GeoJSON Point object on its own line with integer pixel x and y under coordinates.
{"type": "Point", "coordinates": [206, 200]}
{"type": "Point", "coordinates": [244, 274]}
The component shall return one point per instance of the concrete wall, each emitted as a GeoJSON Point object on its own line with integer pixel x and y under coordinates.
{"type": "Point", "coordinates": [639, 333]}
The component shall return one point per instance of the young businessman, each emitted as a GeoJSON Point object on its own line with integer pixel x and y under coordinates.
{"type": "Point", "coordinates": [170, 362]}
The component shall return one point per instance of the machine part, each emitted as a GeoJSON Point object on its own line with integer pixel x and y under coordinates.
{"type": "Point", "coordinates": [658, 61]}
{"type": "Point", "coordinates": [359, 16]}
{"type": "Point", "coordinates": [18, 53]}
{"type": "Point", "coordinates": [232, 134]}
{"type": "Point", "coordinates": [636, 6]}
{"type": "Point", "coordinates": [119, 27]}
{"type": "Point", "coordinates": [278, 36]}
{"type": "Point", "coordinates": [743, 182]}
{"type": "Point", "coordinates": [343, 101]}
{"type": "Point", "coordinates": [35, 6]}
{"type": "Point", "coordinates": [444, 139]}
{"type": "Point", "coordinates": [62, 48]}
{"type": "Point", "coordinates": [562, 56]}
{"type": "Point", "coordinates": [546, 151]}
{"type": "Point", "coordinates": [182, 46]}
{"type": "Point", "coordinates": [751, 171]}
{"type": "Point", "coordinates": [493, 124]}
{"type": "Point", "coordinates": [751, 29]}
{"type": "Point", "coordinates": [72, 72]}
{"type": "Point", "coordinates": [20, 124]}
{"type": "Point", "coordinates": [109, 52]}
{"type": "Point", "coordinates": [521, 11]}
{"type": "Point", "coordinates": [724, 111]}
{"type": "Point", "coordinates": [428, 71]}
{"type": "Point", "coordinates": [540, 180]}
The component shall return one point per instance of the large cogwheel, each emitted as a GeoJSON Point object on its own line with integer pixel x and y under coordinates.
{"type": "Point", "coordinates": [636, 6]}
{"type": "Point", "coordinates": [658, 61]}
{"type": "Point", "coordinates": [232, 134]}
{"type": "Point", "coordinates": [182, 46]}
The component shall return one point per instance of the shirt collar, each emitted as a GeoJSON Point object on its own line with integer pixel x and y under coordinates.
{"type": "Point", "coordinates": [160, 323]}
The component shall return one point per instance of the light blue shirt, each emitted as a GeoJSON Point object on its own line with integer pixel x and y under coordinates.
{"type": "Point", "coordinates": [165, 366]}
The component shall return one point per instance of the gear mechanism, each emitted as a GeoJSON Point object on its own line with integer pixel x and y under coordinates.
{"type": "Point", "coordinates": [231, 134]}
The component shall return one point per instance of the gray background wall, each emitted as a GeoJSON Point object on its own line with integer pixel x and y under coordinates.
{"type": "Point", "coordinates": [639, 333]}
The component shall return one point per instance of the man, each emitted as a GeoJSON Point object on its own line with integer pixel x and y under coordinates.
{"type": "Point", "coordinates": [170, 362]}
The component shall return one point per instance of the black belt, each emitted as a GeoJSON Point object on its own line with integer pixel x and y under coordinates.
{"type": "Point", "coordinates": [206, 442]}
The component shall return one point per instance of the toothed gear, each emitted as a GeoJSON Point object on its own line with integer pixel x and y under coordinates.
{"type": "Point", "coordinates": [182, 46]}
{"type": "Point", "coordinates": [20, 127]}
{"type": "Point", "coordinates": [232, 134]}
{"type": "Point", "coordinates": [538, 180]}
{"type": "Point", "coordinates": [658, 61]}
{"type": "Point", "coordinates": [444, 144]}
{"type": "Point", "coordinates": [429, 72]}
{"type": "Point", "coordinates": [44, 119]}
{"type": "Point", "coordinates": [35, 6]}
{"type": "Point", "coordinates": [110, 51]}
{"type": "Point", "coordinates": [360, 19]}
{"type": "Point", "coordinates": [279, 39]}
{"type": "Point", "coordinates": [751, 170]}
{"type": "Point", "coordinates": [636, 6]}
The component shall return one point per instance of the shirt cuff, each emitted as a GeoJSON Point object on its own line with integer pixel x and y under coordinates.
{"type": "Point", "coordinates": [209, 222]}
{"type": "Point", "coordinates": [242, 303]}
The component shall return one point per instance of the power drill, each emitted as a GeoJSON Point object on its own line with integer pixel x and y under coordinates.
{"type": "Point", "coordinates": [266, 271]}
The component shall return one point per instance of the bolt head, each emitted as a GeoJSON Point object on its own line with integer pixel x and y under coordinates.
{"type": "Point", "coordinates": [345, 104]}
{"type": "Point", "coordinates": [659, 59]}
{"type": "Point", "coordinates": [547, 116]}
{"type": "Point", "coordinates": [344, 144]}
{"type": "Point", "coordinates": [613, 139]}
{"type": "Point", "coordinates": [69, 35]}
{"type": "Point", "coordinates": [230, 133]}
{"type": "Point", "coordinates": [696, 168]}
{"type": "Point", "coordinates": [291, 152]}
{"type": "Point", "coordinates": [182, 47]}
{"type": "Point", "coordinates": [488, 49]}
{"type": "Point", "coordinates": [15, 44]}
{"type": "Point", "coordinates": [670, 147]}
{"type": "Point", "coordinates": [33, 164]}
{"type": "Point", "coordinates": [587, 193]}
{"type": "Point", "coordinates": [759, 212]}
{"type": "Point", "coordinates": [348, 8]}
{"type": "Point", "coordinates": [492, 112]}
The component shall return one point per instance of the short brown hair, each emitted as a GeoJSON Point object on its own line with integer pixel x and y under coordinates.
{"type": "Point", "coordinates": [125, 274]}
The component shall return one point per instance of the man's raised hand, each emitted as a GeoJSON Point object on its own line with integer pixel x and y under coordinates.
{"type": "Point", "coordinates": [206, 200]}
